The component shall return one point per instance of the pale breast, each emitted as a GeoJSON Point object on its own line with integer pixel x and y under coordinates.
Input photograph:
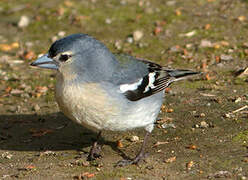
{"type": "Point", "coordinates": [86, 104]}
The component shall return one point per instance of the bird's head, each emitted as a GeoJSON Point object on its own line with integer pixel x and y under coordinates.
{"type": "Point", "coordinates": [77, 53]}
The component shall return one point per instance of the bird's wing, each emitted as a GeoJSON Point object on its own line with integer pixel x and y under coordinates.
{"type": "Point", "coordinates": [143, 78]}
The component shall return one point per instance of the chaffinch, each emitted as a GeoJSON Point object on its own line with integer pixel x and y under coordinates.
{"type": "Point", "coordinates": [105, 91]}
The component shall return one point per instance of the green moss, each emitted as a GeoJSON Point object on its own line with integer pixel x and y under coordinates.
{"type": "Point", "coordinates": [241, 137]}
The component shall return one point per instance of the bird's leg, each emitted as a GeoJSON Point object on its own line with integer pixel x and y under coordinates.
{"type": "Point", "coordinates": [139, 156]}
{"type": "Point", "coordinates": [95, 149]}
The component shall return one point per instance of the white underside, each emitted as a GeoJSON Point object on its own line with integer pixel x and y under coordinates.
{"type": "Point", "coordinates": [92, 107]}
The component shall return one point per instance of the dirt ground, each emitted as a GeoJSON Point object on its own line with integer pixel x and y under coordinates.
{"type": "Point", "coordinates": [202, 130]}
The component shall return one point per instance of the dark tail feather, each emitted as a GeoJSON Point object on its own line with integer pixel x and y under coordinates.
{"type": "Point", "coordinates": [179, 74]}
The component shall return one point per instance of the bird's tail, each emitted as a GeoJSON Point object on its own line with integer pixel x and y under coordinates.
{"type": "Point", "coordinates": [180, 74]}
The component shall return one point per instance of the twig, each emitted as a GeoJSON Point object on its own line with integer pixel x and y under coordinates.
{"type": "Point", "coordinates": [228, 115]}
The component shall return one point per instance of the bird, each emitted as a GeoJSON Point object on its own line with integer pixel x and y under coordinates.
{"type": "Point", "coordinates": [104, 91]}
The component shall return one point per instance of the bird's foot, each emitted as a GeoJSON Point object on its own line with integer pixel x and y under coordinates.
{"type": "Point", "coordinates": [94, 153]}
{"type": "Point", "coordinates": [124, 162]}
{"type": "Point", "coordinates": [136, 160]}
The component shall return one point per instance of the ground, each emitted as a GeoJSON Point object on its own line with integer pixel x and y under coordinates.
{"type": "Point", "coordinates": [199, 133]}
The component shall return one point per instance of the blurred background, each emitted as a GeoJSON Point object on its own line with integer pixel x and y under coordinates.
{"type": "Point", "coordinates": [202, 131]}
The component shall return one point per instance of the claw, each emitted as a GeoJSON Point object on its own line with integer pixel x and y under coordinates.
{"type": "Point", "coordinates": [94, 156]}
{"type": "Point", "coordinates": [95, 150]}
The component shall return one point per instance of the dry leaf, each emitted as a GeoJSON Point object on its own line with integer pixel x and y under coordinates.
{"type": "Point", "coordinates": [157, 30]}
{"type": "Point", "coordinates": [88, 175]}
{"type": "Point", "coordinates": [9, 47]}
{"type": "Point", "coordinates": [190, 164]}
{"type": "Point", "coordinates": [207, 26]}
{"type": "Point", "coordinates": [241, 18]}
{"type": "Point", "coordinates": [68, 3]}
{"type": "Point", "coordinates": [134, 139]}
{"type": "Point", "coordinates": [178, 12]}
{"type": "Point", "coordinates": [171, 159]}
{"type": "Point", "coordinates": [193, 147]}
{"type": "Point", "coordinates": [204, 66]}
{"type": "Point", "coordinates": [8, 89]}
{"type": "Point", "coordinates": [167, 90]}
{"type": "Point", "coordinates": [30, 167]}
{"type": "Point", "coordinates": [170, 110]}
{"type": "Point", "coordinates": [217, 59]}
{"type": "Point", "coordinates": [119, 144]}
{"type": "Point", "coordinates": [5, 47]}
{"type": "Point", "coordinates": [207, 76]}
{"type": "Point", "coordinates": [160, 143]}
{"type": "Point", "coordinates": [29, 55]}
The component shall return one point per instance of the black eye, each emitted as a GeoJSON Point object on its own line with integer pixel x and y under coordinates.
{"type": "Point", "coordinates": [64, 57]}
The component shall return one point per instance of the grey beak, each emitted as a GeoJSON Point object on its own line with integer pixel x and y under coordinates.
{"type": "Point", "coordinates": [45, 62]}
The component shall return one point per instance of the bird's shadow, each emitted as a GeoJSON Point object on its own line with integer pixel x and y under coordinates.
{"type": "Point", "coordinates": [31, 132]}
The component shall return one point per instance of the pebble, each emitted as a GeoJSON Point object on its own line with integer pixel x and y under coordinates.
{"type": "Point", "coordinates": [202, 115]}
{"type": "Point", "coordinates": [168, 125]}
{"type": "Point", "coordinates": [12, 109]}
{"type": "Point", "coordinates": [175, 48]}
{"type": "Point", "coordinates": [170, 3]}
{"type": "Point", "coordinates": [108, 21]}
{"type": "Point", "coordinates": [203, 124]}
{"type": "Point", "coordinates": [36, 107]}
{"type": "Point", "coordinates": [137, 35]}
{"type": "Point", "coordinates": [225, 57]}
{"type": "Point", "coordinates": [130, 40]}
{"type": "Point", "coordinates": [54, 38]}
{"type": "Point", "coordinates": [7, 155]}
{"type": "Point", "coordinates": [134, 139]}
{"type": "Point", "coordinates": [61, 33]}
{"type": "Point", "coordinates": [23, 22]}
{"type": "Point", "coordinates": [205, 43]}
{"type": "Point", "coordinates": [16, 91]}
{"type": "Point", "coordinates": [118, 45]}
{"type": "Point", "coordinates": [238, 100]}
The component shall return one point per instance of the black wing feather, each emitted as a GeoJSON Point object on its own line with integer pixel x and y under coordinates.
{"type": "Point", "coordinates": [161, 78]}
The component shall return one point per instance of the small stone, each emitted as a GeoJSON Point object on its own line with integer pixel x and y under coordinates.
{"type": "Point", "coordinates": [118, 45]}
{"type": "Point", "coordinates": [196, 126]}
{"type": "Point", "coordinates": [16, 91]}
{"type": "Point", "coordinates": [7, 155]}
{"type": "Point", "coordinates": [225, 57]}
{"type": "Point", "coordinates": [54, 38]}
{"type": "Point", "coordinates": [203, 124]}
{"type": "Point", "coordinates": [245, 44]}
{"type": "Point", "coordinates": [47, 153]}
{"type": "Point", "coordinates": [130, 40]}
{"type": "Point", "coordinates": [29, 44]}
{"type": "Point", "coordinates": [175, 48]}
{"type": "Point", "coordinates": [189, 46]}
{"type": "Point", "coordinates": [188, 34]}
{"type": "Point", "coordinates": [137, 35]}
{"type": "Point", "coordinates": [61, 33]}
{"type": "Point", "coordinates": [202, 115]}
{"type": "Point", "coordinates": [170, 3]}
{"type": "Point", "coordinates": [170, 160]}
{"type": "Point", "coordinates": [36, 107]}
{"type": "Point", "coordinates": [190, 164]}
{"type": "Point", "coordinates": [12, 109]}
{"type": "Point", "coordinates": [206, 43]}
{"type": "Point", "coordinates": [134, 139]}
{"type": "Point", "coordinates": [108, 21]}
{"type": "Point", "coordinates": [241, 18]}
{"type": "Point", "coordinates": [168, 125]}
{"type": "Point", "coordinates": [23, 22]}
{"type": "Point", "coordinates": [238, 100]}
